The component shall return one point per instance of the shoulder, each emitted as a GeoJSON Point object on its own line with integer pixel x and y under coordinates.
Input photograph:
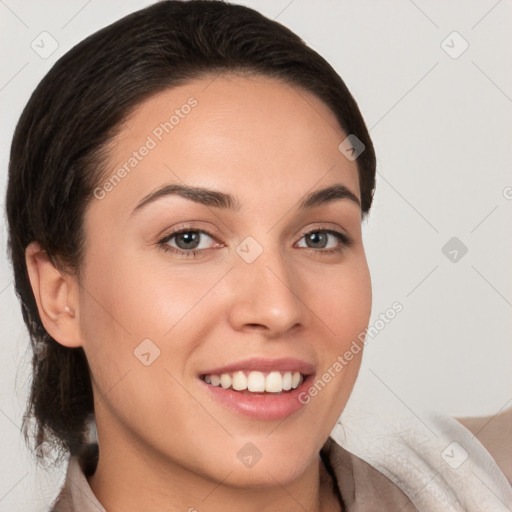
{"type": "Point", "coordinates": [76, 493]}
{"type": "Point", "coordinates": [62, 502]}
{"type": "Point", "coordinates": [495, 434]}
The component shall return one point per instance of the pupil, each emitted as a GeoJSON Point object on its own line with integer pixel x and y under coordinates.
{"type": "Point", "coordinates": [314, 237]}
{"type": "Point", "coordinates": [188, 237]}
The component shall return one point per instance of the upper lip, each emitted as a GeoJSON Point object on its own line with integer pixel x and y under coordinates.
{"type": "Point", "coordinates": [265, 365]}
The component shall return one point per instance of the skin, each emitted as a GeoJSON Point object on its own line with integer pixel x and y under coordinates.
{"type": "Point", "coordinates": [165, 444]}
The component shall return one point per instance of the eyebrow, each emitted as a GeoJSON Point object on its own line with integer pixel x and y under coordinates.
{"type": "Point", "coordinates": [227, 201]}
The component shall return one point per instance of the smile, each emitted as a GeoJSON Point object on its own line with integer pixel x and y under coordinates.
{"type": "Point", "coordinates": [259, 388]}
{"type": "Point", "coordinates": [256, 381]}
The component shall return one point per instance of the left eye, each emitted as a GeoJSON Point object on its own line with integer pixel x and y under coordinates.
{"type": "Point", "coordinates": [320, 237]}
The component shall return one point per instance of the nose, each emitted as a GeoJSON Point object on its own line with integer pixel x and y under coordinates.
{"type": "Point", "coordinates": [266, 296]}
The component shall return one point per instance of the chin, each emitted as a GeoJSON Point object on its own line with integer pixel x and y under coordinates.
{"type": "Point", "coordinates": [264, 461]}
{"type": "Point", "coordinates": [266, 474]}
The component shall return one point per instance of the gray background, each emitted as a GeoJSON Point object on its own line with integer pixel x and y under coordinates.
{"type": "Point", "coordinates": [440, 119]}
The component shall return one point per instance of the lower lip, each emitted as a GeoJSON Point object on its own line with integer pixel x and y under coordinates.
{"type": "Point", "coordinates": [267, 406]}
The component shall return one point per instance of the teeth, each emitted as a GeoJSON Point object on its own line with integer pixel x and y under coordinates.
{"type": "Point", "coordinates": [239, 382]}
{"type": "Point", "coordinates": [257, 382]}
{"type": "Point", "coordinates": [274, 382]}
{"type": "Point", "coordinates": [225, 380]}
{"type": "Point", "coordinates": [287, 381]}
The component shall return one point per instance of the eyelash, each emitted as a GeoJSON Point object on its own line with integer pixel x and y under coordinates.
{"type": "Point", "coordinates": [345, 240]}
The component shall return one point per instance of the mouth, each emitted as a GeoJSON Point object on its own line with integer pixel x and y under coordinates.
{"type": "Point", "coordinates": [262, 389]}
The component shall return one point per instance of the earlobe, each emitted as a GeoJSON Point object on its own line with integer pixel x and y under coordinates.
{"type": "Point", "coordinates": [55, 294]}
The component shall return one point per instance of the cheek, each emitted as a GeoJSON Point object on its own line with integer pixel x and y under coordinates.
{"type": "Point", "coordinates": [341, 297]}
{"type": "Point", "coordinates": [342, 300]}
{"type": "Point", "coordinates": [351, 314]}
{"type": "Point", "coordinates": [128, 300]}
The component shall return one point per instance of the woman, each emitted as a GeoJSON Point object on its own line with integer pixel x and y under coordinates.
{"type": "Point", "coordinates": [185, 196]}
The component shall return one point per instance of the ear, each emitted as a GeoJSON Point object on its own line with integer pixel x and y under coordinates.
{"type": "Point", "coordinates": [56, 296]}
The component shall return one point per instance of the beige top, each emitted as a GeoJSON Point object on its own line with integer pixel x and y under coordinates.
{"type": "Point", "coordinates": [362, 488]}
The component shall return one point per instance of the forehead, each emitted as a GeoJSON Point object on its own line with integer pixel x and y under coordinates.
{"type": "Point", "coordinates": [251, 135]}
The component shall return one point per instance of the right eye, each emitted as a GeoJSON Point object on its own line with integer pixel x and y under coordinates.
{"type": "Point", "coordinates": [187, 242]}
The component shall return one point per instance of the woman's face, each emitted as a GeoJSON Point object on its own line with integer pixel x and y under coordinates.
{"type": "Point", "coordinates": [261, 284]}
